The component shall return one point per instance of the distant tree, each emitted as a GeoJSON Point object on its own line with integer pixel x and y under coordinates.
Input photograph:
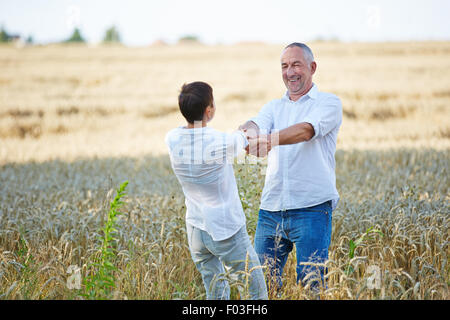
{"type": "Point", "coordinates": [4, 37]}
{"type": "Point", "coordinates": [8, 37]}
{"type": "Point", "coordinates": [111, 35]}
{"type": "Point", "coordinates": [29, 39]}
{"type": "Point", "coordinates": [76, 36]}
{"type": "Point", "coordinates": [189, 39]}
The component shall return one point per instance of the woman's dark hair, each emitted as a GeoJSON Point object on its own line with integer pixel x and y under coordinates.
{"type": "Point", "coordinates": [193, 100]}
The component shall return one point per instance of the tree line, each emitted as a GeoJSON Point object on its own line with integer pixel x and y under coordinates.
{"type": "Point", "coordinates": [111, 36]}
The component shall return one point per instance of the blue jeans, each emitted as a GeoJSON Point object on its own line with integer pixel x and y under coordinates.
{"type": "Point", "coordinates": [308, 228]}
{"type": "Point", "coordinates": [211, 256]}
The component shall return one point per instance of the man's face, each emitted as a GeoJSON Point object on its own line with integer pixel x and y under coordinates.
{"type": "Point", "coordinates": [297, 73]}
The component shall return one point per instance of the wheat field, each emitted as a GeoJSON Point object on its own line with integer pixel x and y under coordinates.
{"type": "Point", "coordinates": [77, 121]}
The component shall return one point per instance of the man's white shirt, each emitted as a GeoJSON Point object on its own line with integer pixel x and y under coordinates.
{"type": "Point", "coordinates": [202, 159]}
{"type": "Point", "coordinates": [303, 174]}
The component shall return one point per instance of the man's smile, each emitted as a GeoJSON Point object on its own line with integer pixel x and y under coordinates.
{"type": "Point", "coordinates": [294, 83]}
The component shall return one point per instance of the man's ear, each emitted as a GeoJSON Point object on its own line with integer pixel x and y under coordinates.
{"type": "Point", "coordinates": [313, 67]}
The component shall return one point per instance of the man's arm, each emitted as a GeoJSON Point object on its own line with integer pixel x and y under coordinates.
{"type": "Point", "coordinates": [296, 133]}
{"type": "Point", "coordinates": [321, 121]}
{"type": "Point", "coordinates": [260, 145]}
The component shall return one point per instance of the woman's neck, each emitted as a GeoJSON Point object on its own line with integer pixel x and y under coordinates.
{"type": "Point", "coordinates": [196, 124]}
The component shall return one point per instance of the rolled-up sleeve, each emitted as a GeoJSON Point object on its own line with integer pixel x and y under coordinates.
{"type": "Point", "coordinates": [326, 116]}
{"type": "Point", "coordinates": [264, 119]}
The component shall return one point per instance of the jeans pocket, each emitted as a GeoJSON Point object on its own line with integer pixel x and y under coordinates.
{"type": "Point", "coordinates": [225, 245]}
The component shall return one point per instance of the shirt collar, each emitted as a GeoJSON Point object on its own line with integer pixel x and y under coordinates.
{"type": "Point", "coordinates": [312, 93]}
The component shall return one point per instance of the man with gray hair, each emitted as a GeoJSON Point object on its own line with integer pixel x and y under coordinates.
{"type": "Point", "coordinates": [298, 133]}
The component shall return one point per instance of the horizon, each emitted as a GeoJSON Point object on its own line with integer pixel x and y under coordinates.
{"type": "Point", "coordinates": [142, 23]}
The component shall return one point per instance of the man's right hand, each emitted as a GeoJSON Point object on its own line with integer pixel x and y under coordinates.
{"type": "Point", "coordinates": [250, 129]}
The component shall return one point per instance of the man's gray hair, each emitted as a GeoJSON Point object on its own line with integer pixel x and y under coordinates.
{"type": "Point", "coordinates": [307, 52]}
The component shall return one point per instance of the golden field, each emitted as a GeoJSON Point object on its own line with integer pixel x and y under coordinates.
{"type": "Point", "coordinates": [76, 121]}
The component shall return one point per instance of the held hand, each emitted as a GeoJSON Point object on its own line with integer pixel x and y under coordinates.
{"type": "Point", "coordinates": [247, 136]}
{"type": "Point", "coordinates": [250, 129]}
{"type": "Point", "coordinates": [249, 133]}
{"type": "Point", "coordinates": [260, 145]}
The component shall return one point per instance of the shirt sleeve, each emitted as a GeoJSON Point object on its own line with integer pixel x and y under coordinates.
{"type": "Point", "coordinates": [167, 139]}
{"type": "Point", "coordinates": [264, 119]}
{"type": "Point", "coordinates": [236, 142]}
{"type": "Point", "coordinates": [225, 147]}
{"type": "Point", "coordinates": [325, 117]}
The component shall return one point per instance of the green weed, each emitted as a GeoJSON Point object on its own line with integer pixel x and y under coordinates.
{"type": "Point", "coordinates": [100, 283]}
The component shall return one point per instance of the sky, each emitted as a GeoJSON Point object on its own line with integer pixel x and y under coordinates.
{"type": "Point", "coordinates": [141, 22]}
